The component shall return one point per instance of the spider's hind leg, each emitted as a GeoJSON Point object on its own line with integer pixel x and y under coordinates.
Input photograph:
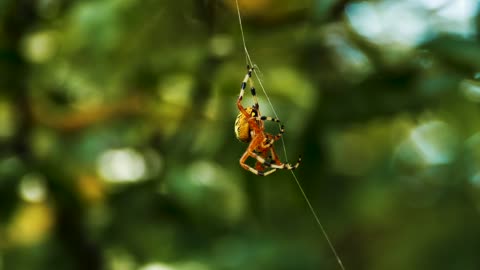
{"type": "Point", "coordinates": [260, 167]}
{"type": "Point", "coordinates": [279, 165]}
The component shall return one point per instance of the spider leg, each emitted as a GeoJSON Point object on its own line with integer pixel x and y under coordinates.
{"type": "Point", "coordinates": [256, 171]}
{"type": "Point", "coordinates": [279, 165]}
{"type": "Point", "coordinates": [254, 95]}
{"type": "Point", "coordinates": [242, 91]}
{"type": "Point", "coordinates": [260, 160]}
{"type": "Point", "coordinates": [258, 166]}
{"type": "Point", "coordinates": [275, 156]}
{"type": "Point", "coordinates": [281, 126]}
{"type": "Point", "coordinates": [267, 161]}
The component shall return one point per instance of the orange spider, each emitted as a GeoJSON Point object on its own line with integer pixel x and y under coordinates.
{"type": "Point", "coordinates": [249, 128]}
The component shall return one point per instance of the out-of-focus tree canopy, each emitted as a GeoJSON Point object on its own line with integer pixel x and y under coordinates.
{"type": "Point", "coordinates": [118, 150]}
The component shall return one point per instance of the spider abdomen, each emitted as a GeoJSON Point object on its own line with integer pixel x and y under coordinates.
{"type": "Point", "coordinates": [242, 127]}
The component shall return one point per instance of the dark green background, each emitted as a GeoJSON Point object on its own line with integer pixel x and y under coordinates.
{"type": "Point", "coordinates": [118, 151]}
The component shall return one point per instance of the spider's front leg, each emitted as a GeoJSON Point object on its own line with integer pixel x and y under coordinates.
{"type": "Point", "coordinates": [248, 78]}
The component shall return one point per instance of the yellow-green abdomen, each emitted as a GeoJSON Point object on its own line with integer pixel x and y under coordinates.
{"type": "Point", "coordinates": [242, 128]}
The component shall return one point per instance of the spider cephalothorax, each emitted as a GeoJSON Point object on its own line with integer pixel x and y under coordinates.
{"type": "Point", "coordinates": [249, 128]}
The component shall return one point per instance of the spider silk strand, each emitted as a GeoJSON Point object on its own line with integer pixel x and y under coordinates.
{"type": "Point", "coordinates": [312, 210]}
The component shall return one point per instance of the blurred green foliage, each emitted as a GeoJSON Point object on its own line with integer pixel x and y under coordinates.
{"type": "Point", "coordinates": [118, 151]}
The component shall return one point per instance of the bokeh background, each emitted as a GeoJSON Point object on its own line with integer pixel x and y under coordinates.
{"type": "Point", "coordinates": [118, 151]}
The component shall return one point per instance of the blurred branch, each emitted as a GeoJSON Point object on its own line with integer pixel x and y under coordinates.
{"type": "Point", "coordinates": [81, 119]}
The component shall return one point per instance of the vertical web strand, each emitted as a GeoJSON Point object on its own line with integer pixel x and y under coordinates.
{"type": "Point", "coordinates": [312, 210]}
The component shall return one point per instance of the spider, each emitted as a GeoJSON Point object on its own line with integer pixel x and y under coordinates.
{"type": "Point", "coordinates": [249, 128]}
